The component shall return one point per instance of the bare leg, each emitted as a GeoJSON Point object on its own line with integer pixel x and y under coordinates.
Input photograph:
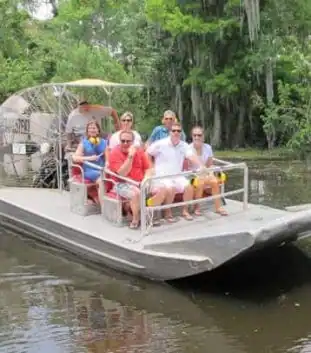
{"type": "Point", "coordinates": [188, 195]}
{"type": "Point", "coordinates": [157, 200]}
{"type": "Point", "coordinates": [99, 185]}
{"type": "Point", "coordinates": [213, 183]}
{"type": "Point", "coordinates": [169, 199]}
{"type": "Point", "coordinates": [198, 194]}
{"type": "Point", "coordinates": [159, 197]}
{"type": "Point", "coordinates": [135, 207]}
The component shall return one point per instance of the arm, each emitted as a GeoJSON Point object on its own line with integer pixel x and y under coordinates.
{"type": "Point", "coordinates": [150, 160]}
{"type": "Point", "coordinates": [153, 149]}
{"type": "Point", "coordinates": [209, 162]}
{"type": "Point", "coordinates": [117, 165]}
{"type": "Point", "coordinates": [210, 155]}
{"type": "Point", "coordinates": [101, 111]}
{"type": "Point", "coordinates": [70, 139]}
{"type": "Point", "coordinates": [191, 156]}
{"type": "Point", "coordinates": [152, 138]}
{"type": "Point", "coordinates": [115, 116]}
{"type": "Point", "coordinates": [78, 155]}
{"type": "Point", "coordinates": [195, 160]}
{"type": "Point", "coordinates": [126, 166]}
{"type": "Point", "coordinates": [107, 154]}
{"type": "Point", "coordinates": [147, 165]}
{"type": "Point", "coordinates": [151, 152]}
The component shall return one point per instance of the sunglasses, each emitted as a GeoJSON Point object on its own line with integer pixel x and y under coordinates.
{"type": "Point", "coordinates": [197, 135]}
{"type": "Point", "coordinates": [127, 120]}
{"type": "Point", "coordinates": [126, 141]}
{"type": "Point", "coordinates": [176, 130]}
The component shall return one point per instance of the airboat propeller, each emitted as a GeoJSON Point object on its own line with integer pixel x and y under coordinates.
{"type": "Point", "coordinates": [32, 125]}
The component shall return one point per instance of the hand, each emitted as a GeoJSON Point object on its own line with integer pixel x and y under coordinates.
{"type": "Point", "coordinates": [68, 148]}
{"type": "Point", "coordinates": [149, 173]}
{"type": "Point", "coordinates": [202, 170]}
{"type": "Point", "coordinates": [132, 151]}
{"type": "Point", "coordinates": [205, 172]}
{"type": "Point", "coordinates": [93, 158]}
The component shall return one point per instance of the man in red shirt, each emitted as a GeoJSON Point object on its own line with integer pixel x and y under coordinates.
{"type": "Point", "coordinates": [131, 162]}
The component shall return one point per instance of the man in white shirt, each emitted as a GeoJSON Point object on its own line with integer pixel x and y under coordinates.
{"type": "Point", "coordinates": [169, 155]}
{"type": "Point", "coordinates": [79, 117]}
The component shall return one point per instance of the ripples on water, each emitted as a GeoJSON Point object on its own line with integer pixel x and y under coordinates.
{"type": "Point", "coordinates": [258, 305]}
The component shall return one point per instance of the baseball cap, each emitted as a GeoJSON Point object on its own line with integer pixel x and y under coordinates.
{"type": "Point", "coordinates": [82, 101]}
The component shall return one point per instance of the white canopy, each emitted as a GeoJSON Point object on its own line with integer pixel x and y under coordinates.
{"type": "Point", "coordinates": [93, 82]}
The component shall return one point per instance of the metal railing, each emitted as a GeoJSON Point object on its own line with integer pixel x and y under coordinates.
{"type": "Point", "coordinates": [91, 165]}
{"type": "Point", "coordinates": [146, 183]}
{"type": "Point", "coordinates": [106, 175]}
{"type": "Point", "coordinates": [120, 177]}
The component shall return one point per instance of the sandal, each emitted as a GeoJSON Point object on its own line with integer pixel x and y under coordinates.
{"type": "Point", "coordinates": [197, 213]}
{"type": "Point", "coordinates": [171, 219]}
{"type": "Point", "coordinates": [92, 201]}
{"type": "Point", "coordinates": [221, 211]}
{"type": "Point", "coordinates": [156, 223]}
{"type": "Point", "coordinates": [187, 217]}
{"type": "Point", "coordinates": [134, 225]}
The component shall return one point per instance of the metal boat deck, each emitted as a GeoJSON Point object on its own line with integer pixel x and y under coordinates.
{"type": "Point", "coordinates": [54, 205]}
{"type": "Point", "coordinates": [170, 251]}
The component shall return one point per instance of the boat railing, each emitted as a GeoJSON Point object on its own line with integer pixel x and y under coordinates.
{"type": "Point", "coordinates": [221, 161]}
{"type": "Point", "coordinates": [106, 171]}
{"type": "Point", "coordinates": [146, 183]}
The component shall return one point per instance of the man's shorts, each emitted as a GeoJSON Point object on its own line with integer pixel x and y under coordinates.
{"type": "Point", "coordinates": [178, 183]}
{"type": "Point", "coordinates": [125, 190]}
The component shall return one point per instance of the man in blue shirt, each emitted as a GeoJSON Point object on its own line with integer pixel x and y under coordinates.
{"type": "Point", "coordinates": [163, 131]}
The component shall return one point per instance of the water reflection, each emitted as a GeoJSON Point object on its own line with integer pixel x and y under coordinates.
{"type": "Point", "coordinates": [277, 185]}
{"type": "Point", "coordinates": [256, 305]}
{"type": "Point", "coordinates": [107, 326]}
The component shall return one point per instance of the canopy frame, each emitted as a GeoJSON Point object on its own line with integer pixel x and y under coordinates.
{"type": "Point", "coordinates": [108, 87]}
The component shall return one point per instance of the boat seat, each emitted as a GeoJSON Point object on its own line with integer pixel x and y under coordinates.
{"type": "Point", "coordinates": [81, 190]}
{"type": "Point", "coordinates": [115, 207]}
{"type": "Point", "coordinates": [207, 190]}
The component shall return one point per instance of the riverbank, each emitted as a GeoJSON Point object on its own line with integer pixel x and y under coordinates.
{"type": "Point", "coordinates": [256, 154]}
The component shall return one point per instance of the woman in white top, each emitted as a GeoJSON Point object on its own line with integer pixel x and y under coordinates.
{"type": "Point", "coordinates": [205, 153]}
{"type": "Point", "coordinates": [126, 120]}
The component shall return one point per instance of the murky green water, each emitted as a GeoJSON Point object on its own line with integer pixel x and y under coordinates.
{"type": "Point", "coordinates": [52, 304]}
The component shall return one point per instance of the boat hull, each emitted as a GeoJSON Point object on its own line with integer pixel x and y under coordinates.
{"type": "Point", "coordinates": [193, 248]}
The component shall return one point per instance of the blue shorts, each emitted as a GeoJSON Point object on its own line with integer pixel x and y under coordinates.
{"type": "Point", "coordinates": [92, 174]}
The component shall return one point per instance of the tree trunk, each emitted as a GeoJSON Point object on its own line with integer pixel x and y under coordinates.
{"type": "Point", "coordinates": [216, 132]}
{"type": "Point", "coordinates": [239, 134]}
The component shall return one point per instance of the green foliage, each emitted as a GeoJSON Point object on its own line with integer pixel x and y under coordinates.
{"type": "Point", "coordinates": [197, 58]}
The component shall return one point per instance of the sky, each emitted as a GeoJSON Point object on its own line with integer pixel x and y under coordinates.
{"type": "Point", "coordinates": [44, 12]}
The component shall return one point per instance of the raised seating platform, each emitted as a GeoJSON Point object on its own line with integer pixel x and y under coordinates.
{"type": "Point", "coordinates": [112, 207]}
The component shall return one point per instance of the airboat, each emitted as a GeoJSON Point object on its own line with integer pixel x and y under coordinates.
{"type": "Point", "coordinates": [48, 201]}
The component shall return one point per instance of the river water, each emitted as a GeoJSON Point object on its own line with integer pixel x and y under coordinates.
{"type": "Point", "coordinates": [50, 303]}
